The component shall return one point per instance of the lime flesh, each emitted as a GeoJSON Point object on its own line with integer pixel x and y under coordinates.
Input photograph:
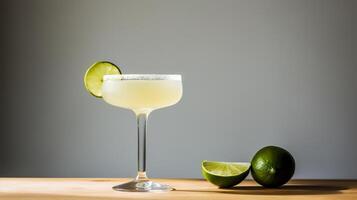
{"type": "Point", "coordinates": [93, 78]}
{"type": "Point", "coordinates": [225, 174]}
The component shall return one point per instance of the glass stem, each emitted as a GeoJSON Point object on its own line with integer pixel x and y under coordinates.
{"type": "Point", "coordinates": [142, 125]}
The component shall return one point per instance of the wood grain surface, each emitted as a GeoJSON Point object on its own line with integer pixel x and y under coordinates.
{"type": "Point", "coordinates": [188, 189]}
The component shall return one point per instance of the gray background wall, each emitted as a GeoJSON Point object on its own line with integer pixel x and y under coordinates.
{"type": "Point", "coordinates": [256, 73]}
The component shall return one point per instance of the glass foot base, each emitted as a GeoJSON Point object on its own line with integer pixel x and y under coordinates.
{"type": "Point", "coordinates": [142, 186]}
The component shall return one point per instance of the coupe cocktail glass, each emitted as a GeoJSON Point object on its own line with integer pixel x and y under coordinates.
{"type": "Point", "coordinates": [142, 93]}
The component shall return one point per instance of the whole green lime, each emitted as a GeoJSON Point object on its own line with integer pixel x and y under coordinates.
{"type": "Point", "coordinates": [272, 166]}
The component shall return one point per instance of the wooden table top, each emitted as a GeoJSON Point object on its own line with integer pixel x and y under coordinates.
{"type": "Point", "coordinates": [188, 189]}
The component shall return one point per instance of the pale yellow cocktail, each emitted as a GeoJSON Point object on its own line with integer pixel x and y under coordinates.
{"type": "Point", "coordinates": [142, 93]}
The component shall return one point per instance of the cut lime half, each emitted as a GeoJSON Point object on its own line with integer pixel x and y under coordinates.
{"type": "Point", "coordinates": [225, 174]}
{"type": "Point", "coordinates": [93, 79]}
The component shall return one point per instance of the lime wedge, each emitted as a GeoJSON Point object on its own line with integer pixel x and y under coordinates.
{"type": "Point", "coordinates": [225, 174]}
{"type": "Point", "coordinates": [93, 79]}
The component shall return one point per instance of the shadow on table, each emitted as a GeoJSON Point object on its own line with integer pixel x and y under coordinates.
{"type": "Point", "coordinates": [285, 190]}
